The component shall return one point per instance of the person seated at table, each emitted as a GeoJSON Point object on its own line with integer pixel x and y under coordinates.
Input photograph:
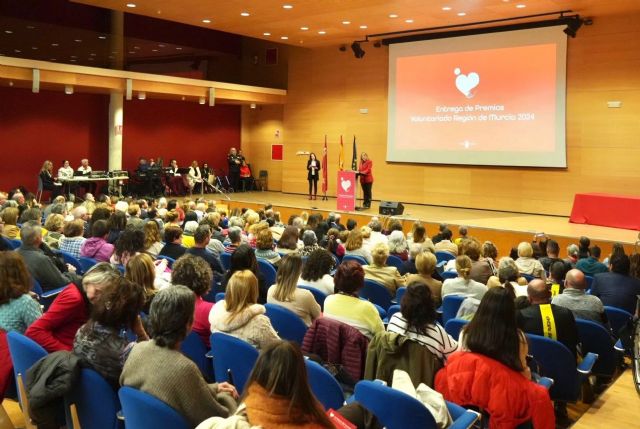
{"type": "Point", "coordinates": [240, 315]}
{"type": "Point", "coordinates": [345, 305]}
{"type": "Point", "coordinates": [380, 272]}
{"type": "Point", "coordinates": [286, 293]}
{"type": "Point", "coordinates": [195, 176]}
{"type": "Point", "coordinates": [159, 368]}
{"type": "Point", "coordinates": [99, 343]}
{"type": "Point", "coordinates": [278, 394]}
{"type": "Point", "coordinates": [49, 183]}
{"type": "Point", "coordinates": [85, 168]}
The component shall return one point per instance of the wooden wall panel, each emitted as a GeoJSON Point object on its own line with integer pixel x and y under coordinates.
{"type": "Point", "coordinates": [327, 88]}
{"type": "Point", "coordinates": [259, 127]}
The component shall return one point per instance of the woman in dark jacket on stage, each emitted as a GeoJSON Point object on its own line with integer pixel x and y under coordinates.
{"type": "Point", "coordinates": [313, 170]}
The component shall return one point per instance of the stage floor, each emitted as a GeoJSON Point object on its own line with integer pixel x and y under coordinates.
{"type": "Point", "coordinates": [557, 226]}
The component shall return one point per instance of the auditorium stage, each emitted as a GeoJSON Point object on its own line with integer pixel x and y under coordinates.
{"type": "Point", "coordinates": [480, 222]}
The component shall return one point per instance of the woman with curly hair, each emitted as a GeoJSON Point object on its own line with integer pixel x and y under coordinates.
{"type": "Point", "coordinates": [152, 240]}
{"type": "Point", "coordinates": [333, 242]}
{"type": "Point", "coordinates": [398, 245]}
{"type": "Point", "coordinates": [128, 245]}
{"type": "Point", "coordinates": [18, 309]}
{"type": "Point", "coordinates": [417, 321]}
{"type": "Point", "coordinates": [195, 273]}
{"type": "Point", "coordinates": [316, 272]}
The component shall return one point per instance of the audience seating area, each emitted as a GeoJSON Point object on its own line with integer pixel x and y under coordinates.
{"type": "Point", "coordinates": [93, 402]}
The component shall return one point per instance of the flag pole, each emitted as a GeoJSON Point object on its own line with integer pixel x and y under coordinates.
{"type": "Point", "coordinates": [325, 173]}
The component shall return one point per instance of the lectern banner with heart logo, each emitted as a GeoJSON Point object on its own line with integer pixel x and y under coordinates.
{"type": "Point", "coordinates": [346, 190]}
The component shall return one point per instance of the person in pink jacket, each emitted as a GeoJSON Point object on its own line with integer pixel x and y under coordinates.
{"type": "Point", "coordinates": [97, 247]}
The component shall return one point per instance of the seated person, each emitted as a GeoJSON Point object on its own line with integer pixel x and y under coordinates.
{"type": "Point", "coordinates": [316, 272]}
{"type": "Point", "coordinates": [591, 265]}
{"type": "Point", "coordinates": [73, 237]}
{"type": "Point", "coordinates": [240, 315]}
{"type": "Point", "coordinates": [380, 272]}
{"type": "Point", "coordinates": [9, 218]}
{"type": "Point", "coordinates": [481, 269]}
{"type": "Point", "coordinates": [157, 367]}
{"type": "Point", "coordinates": [508, 272]}
{"type": "Point", "coordinates": [195, 273]}
{"type": "Point", "coordinates": [398, 245]}
{"type": "Point", "coordinates": [527, 264]}
{"type": "Point", "coordinates": [56, 329]}
{"type": "Point", "coordinates": [49, 183]}
{"type": "Point", "coordinates": [345, 306]}
{"type": "Point", "coordinates": [575, 298]}
{"type": "Point", "coordinates": [553, 252]}
{"type": "Point", "coordinates": [130, 243]}
{"type": "Point", "coordinates": [355, 246]}
{"type": "Point", "coordinates": [264, 247]}
{"type": "Point", "coordinates": [550, 320]}
{"type": "Point", "coordinates": [444, 243]}
{"type": "Point", "coordinates": [463, 284]}
{"type": "Point", "coordinates": [417, 321]}
{"type": "Point", "coordinates": [173, 242]}
{"type": "Point", "coordinates": [310, 241]}
{"type": "Point", "coordinates": [426, 265]}
{"type": "Point", "coordinates": [286, 293]}
{"type": "Point", "coordinates": [18, 309]}
{"type": "Point", "coordinates": [99, 343]}
{"type": "Point", "coordinates": [617, 288]}
{"type": "Point", "coordinates": [201, 238]}
{"type": "Point", "coordinates": [40, 266]}
{"type": "Point", "coordinates": [244, 258]}
{"type": "Point", "coordinates": [288, 242]}
{"type": "Point", "coordinates": [97, 247]}
{"type": "Point", "coordinates": [493, 366]}
{"type": "Point", "coordinates": [195, 176]}
{"type": "Point", "coordinates": [278, 394]}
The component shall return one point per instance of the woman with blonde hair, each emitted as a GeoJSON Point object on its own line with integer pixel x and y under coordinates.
{"type": "Point", "coordinates": [152, 240]}
{"type": "Point", "coordinates": [54, 224]}
{"type": "Point", "coordinates": [354, 246]}
{"type": "Point", "coordinates": [172, 218]}
{"type": "Point", "coordinates": [425, 265]}
{"type": "Point", "coordinates": [380, 272]}
{"type": "Point", "coordinates": [141, 270]}
{"type": "Point", "coordinates": [49, 183]}
{"type": "Point", "coordinates": [240, 315]}
{"type": "Point", "coordinates": [527, 264]}
{"type": "Point", "coordinates": [463, 284]}
{"type": "Point", "coordinates": [286, 293]}
{"type": "Point", "coordinates": [10, 220]}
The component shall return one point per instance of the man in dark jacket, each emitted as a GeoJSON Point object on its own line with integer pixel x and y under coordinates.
{"type": "Point", "coordinates": [617, 288]}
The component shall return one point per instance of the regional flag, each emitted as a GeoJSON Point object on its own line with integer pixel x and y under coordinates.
{"type": "Point", "coordinates": [324, 166]}
{"type": "Point", "coordinates": [354, 158]}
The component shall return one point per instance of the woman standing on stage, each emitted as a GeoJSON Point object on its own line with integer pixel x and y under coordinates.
{"type": "Point", "coordinates": [313, 168]}
{"type": "Point", "coordinates": [366, 178]}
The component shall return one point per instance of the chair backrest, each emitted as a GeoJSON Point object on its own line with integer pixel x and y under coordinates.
{"type": "Point", "coordinates": [317, 294]}
{"type": "Point", "coordinates": [557, 363]}
{"type": "Point", "coordinates": [448, 275]}
{"type": "Point", "coordinates": [225, 260]}
{"type": "Point", "coordinates": [144, 411]}
{"type": "Point", "coordinates": [394, 261]}
{"type": "Point", "coordinates": [454, 327]}
{"type": "Point", "coordinates": [617, 318]}
{"type": "Point", "coordinates": [24, 352]}
{"type": "Point", "coordinates": [219, 296]}
{"type": "Point", "coordinates": [528, 277]}
{"type": "Point", "coordinates": [169, 260]}
{"type": "Point", "coordinates": [232, 356]}
{"type": "Point", "coordinates": [194, 348]}
{"type": "Point", "coordinates": [324, 386]}
{"type": "Point", "coordinates": [589, 281]}
{"type": "Point", "coordinates": [444, 256]}
{"type": "Point", "coordinates": [86, 263]}
{"type": "Point", "coordinates": [356, 258]}
{"type": "Point", "coordinates": [14, 243]}
{"type": "Point", "coordinates": [394, 409]}
{"type": "Point", "coordinates": [376, 293]}
{"type": "Point", "coordinates": [263, 174]}
{"type": "Point", "coordinates": [400, 293]}
{"type": "Point", "coordinates": [392, 310]}
{"type": "Point", "coordinates": [450, 306]}
{"type": "Point", "coordinates": [596, 339]}
{"type": "Point", "coordinates": [95, 401]}
{"type": "Point", "coordinates": [287, 324]}
{"type": "Point", "coordinates": [71, 260]}
{"type": "Point", "coordinates": [268, 272]}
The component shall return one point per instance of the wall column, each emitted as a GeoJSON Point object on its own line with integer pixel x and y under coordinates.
{"type": "Point", "coordinates": [116, 116]}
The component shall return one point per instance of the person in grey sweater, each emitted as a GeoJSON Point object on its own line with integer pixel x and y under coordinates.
{"type": "Point", "coordinates": [40, 266]}
{"type": "Point", "coordinates": [574, 298]}
{"type": "Point", "coordinates": [157, 367]}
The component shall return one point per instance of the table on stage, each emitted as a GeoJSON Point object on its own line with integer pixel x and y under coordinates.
{"type": "Point", "coordinates": [80, 179]}
{"type": "Point", "coordinates": [617, 211]}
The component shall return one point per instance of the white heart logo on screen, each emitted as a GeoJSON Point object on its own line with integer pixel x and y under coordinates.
{"type": "Point", "coordinates": [346, 184]}
{"type": "Point", "coordinates": [466, 83]}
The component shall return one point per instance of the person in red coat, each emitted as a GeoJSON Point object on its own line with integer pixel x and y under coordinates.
{"type": "Point", "coordinates": [57, 327]}
{"type": "Point", "coordinates": [366, 178]}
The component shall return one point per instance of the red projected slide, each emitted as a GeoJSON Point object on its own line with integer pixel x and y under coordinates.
{"type": "Point", "coordinates": [501, 99]}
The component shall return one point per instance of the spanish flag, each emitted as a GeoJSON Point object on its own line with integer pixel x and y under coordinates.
{"type": "Point", "coordinates": [324, 167]}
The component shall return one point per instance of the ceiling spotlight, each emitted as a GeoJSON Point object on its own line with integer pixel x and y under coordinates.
{"type": "Point", "coordinates": [358, 52]}
{"type": "Point", "coordinates": [142, 95]}
{"type": "Point", "coordinates": [284, 37]}
{"type": "Point", "coordinates": [573, 25]}
{"type": "Point", "coordinates": [102, 37]}
{"type": "Point", "coordinates": [131, 5]}
{"type": "Point", "coordinates": [287, 6]}
{"type": "Point", "coordinates": [393, 15]}
{"type": "Point", "coordinates": [8, 31]}
{"type": "Point", "coordinates": [521, 6]}
{"type": "Point", "coordinates": [322, 32]}
{"type": "Point", "coordinates": [266, 33]}
{"type": "Point", "coordinates": [304, 28]}
{"type": "Point", "coordinates": [68, 89]}
{"type": "Point", "coordinates": [206, 21]}
{"type": "Point", "coordinates": [446, 8]}
{"type": "Point", "coordinates": [409, 21]}
{"type": "Point", "coordinates": [55, 44]}
{"type": "Point", "coordinates": [462, 13]}
{"type": "Point", "coordinates": [201, 100]}
{"type": "Point", "coordinates": [78, 40]}
{"type": "Point", "coordinates": [346, 22]}
{"type": "Point", "coordinates": [363, 27]}
{"type": "Point", "coordinates": [244, 14]}
{"type": "Point", "coordinates": [252, 105]}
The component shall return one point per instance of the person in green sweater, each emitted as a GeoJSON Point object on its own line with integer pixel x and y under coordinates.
{"type": "Point", "coordinates": [18, 309]}
{"type": "Point", "coordinates": [157, 367]}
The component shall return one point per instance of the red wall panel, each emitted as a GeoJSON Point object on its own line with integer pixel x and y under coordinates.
{"type": "Point", "coordinates": [49, 125]}
{"type": "Point", "coordinates": [182, 130]}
